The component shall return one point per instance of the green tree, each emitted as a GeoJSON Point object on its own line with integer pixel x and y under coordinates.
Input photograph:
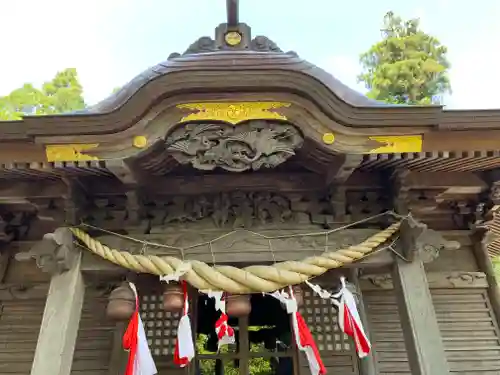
{"type": "Point", "coordinates": [62, 94]}
{"type": "Point", "coordinates": [407, 66]}
{"type": "Point", "coordinates": [257, 366]}
{"type": "Point", "coordinates": [496, 267]}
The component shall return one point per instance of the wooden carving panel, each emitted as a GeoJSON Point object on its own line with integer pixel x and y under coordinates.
{"type": "Point", "coordinates": [240, 209]}
{"type": "Point", "coordinates": [252, 145]}
{"type": "Point", "coordinates": [201, 201]}
{"type": "Point", "coordinates": [337, 350]}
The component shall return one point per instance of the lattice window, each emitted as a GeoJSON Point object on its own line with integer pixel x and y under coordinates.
{"type": "Point", "coordinates": [322, 319]}
{"type": "Point", "coordinates": [160, 325]}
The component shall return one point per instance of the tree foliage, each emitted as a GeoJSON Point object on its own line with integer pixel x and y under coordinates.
{"type": "Point", "coordinates": [62, 94]}
{"type": "Point", "coordinates": [496, 267]}
{"type": "Point", "coordinates": [407, 66]}
{"type": "Point", "coordinates": [257, 366]}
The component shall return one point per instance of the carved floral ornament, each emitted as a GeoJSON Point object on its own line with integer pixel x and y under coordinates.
{"type": "Point", "coordinates": [436, 280]}
{"type": "Point", "coordinates": [206, 44]}
{"type": "Point", "coordinates": [236, 148]}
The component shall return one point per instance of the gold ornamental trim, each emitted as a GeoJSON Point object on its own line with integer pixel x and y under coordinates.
{"type": "Point", "coordinates": [389, 144]}
{"type": "Point", "coordinates": [233, 112]}
{"type": "Point", "coordinates": [395, 144]}
{"type": "Point", "coordinates": [233, 38]}
{"type": "Point", "coordinates": [70, 152]}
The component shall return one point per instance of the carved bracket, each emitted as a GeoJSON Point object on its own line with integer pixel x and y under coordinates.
{"type": "Point", "coordinates": [54, 253]}
{"type": "Point", "coordinates": [424, 241]}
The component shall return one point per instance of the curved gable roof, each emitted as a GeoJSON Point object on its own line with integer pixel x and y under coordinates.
{"type": "Point", "coordinates": [206, 52]}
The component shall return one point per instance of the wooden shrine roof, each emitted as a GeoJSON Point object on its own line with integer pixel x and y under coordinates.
{"type": "Point", "coordinates": [253, 79]}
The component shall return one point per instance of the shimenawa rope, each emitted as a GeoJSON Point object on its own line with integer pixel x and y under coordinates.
{"type": "Point", "coordinates": [251, 279]}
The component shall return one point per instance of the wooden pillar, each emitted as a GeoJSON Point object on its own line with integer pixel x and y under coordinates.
{"type": "Point", "coordinates": [422, 336]}
{"type": "Point", "coordinates": [486, 266]}
{"type": "Point", "coordinates": [421, 332]}
{"type": "Point", "coordinates": [61, 317]}
{"type": "Point", "coordinates": [483, 241]}
{"type": "Point", "coordinates": [244, 346]}
{"type": "Point", "coordinates": [4, 264]}
{"type": "Point", "coordinates": [118, 358]}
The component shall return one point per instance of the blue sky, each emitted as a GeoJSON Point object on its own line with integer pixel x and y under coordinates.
{"type": "Point", "coordinates": [111, 41]}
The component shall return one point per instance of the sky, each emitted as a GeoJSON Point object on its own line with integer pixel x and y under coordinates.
{"type": "Point", "coordinates": [112, 41]}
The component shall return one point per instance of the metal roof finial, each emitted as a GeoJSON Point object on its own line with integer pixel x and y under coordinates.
{"type": "Point", "coordinates": [232, 8]}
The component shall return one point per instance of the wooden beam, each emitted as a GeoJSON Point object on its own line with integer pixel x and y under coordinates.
{"type": "Point", "coordinates": [10, 189]}
{"type": "Point", "coordinates": [336, 178]}
{"type": "Point", "coordinates": [189, 185]}
{"type": "Point", "coordinates": [60, 323]}
{"type": "Point", "coordinates": [94, 264]}
{"type": "Point", "coordinates": [192, 185]}
{"type": "Point", "coordinates": [122, 171]}
{"type": "Point", "coordinates": [457, 182]}
{"type": "Point", "coordinates": [129, 178]}
{"type": "Point", "coordinates": [421, 332]}
{"type": "Point", "coordinates": [339, 173]}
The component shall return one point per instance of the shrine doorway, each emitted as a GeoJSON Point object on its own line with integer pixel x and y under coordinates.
{"type": "Point", "coordinates": [264, 344]}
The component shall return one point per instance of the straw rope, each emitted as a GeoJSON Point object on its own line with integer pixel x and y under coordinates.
{"type": "Point", "coordinates": [235, 280]}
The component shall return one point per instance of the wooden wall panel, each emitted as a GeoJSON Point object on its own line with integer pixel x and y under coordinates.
{"type": "Point", "coordinates": [386, 332]}
{"type": "Point", "coordinates": [337, 350]}
{"type": "Point", "coordinates": [466, 321]}
{"type": "Point", "coordinates": [19, 327]}
{"type": "Point", "coordinates": [470, 335]}
{"type": "Point", "coordinates": [95, 337]}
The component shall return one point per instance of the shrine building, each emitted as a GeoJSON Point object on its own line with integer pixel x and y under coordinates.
{"type": "Point", "coordinates": [241, 168]}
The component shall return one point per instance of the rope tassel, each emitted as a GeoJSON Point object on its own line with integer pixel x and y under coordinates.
{"type": "Point", "coordinates": [225, 333]}
{"type": "Point", "coordinates": [184, 347]}
{"type": "Point", "coordinates": [301, 333]}
{"type": "Point", "coordinates": [349, 320]}
{"type": "Point", "coordinates": [140, 361]}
